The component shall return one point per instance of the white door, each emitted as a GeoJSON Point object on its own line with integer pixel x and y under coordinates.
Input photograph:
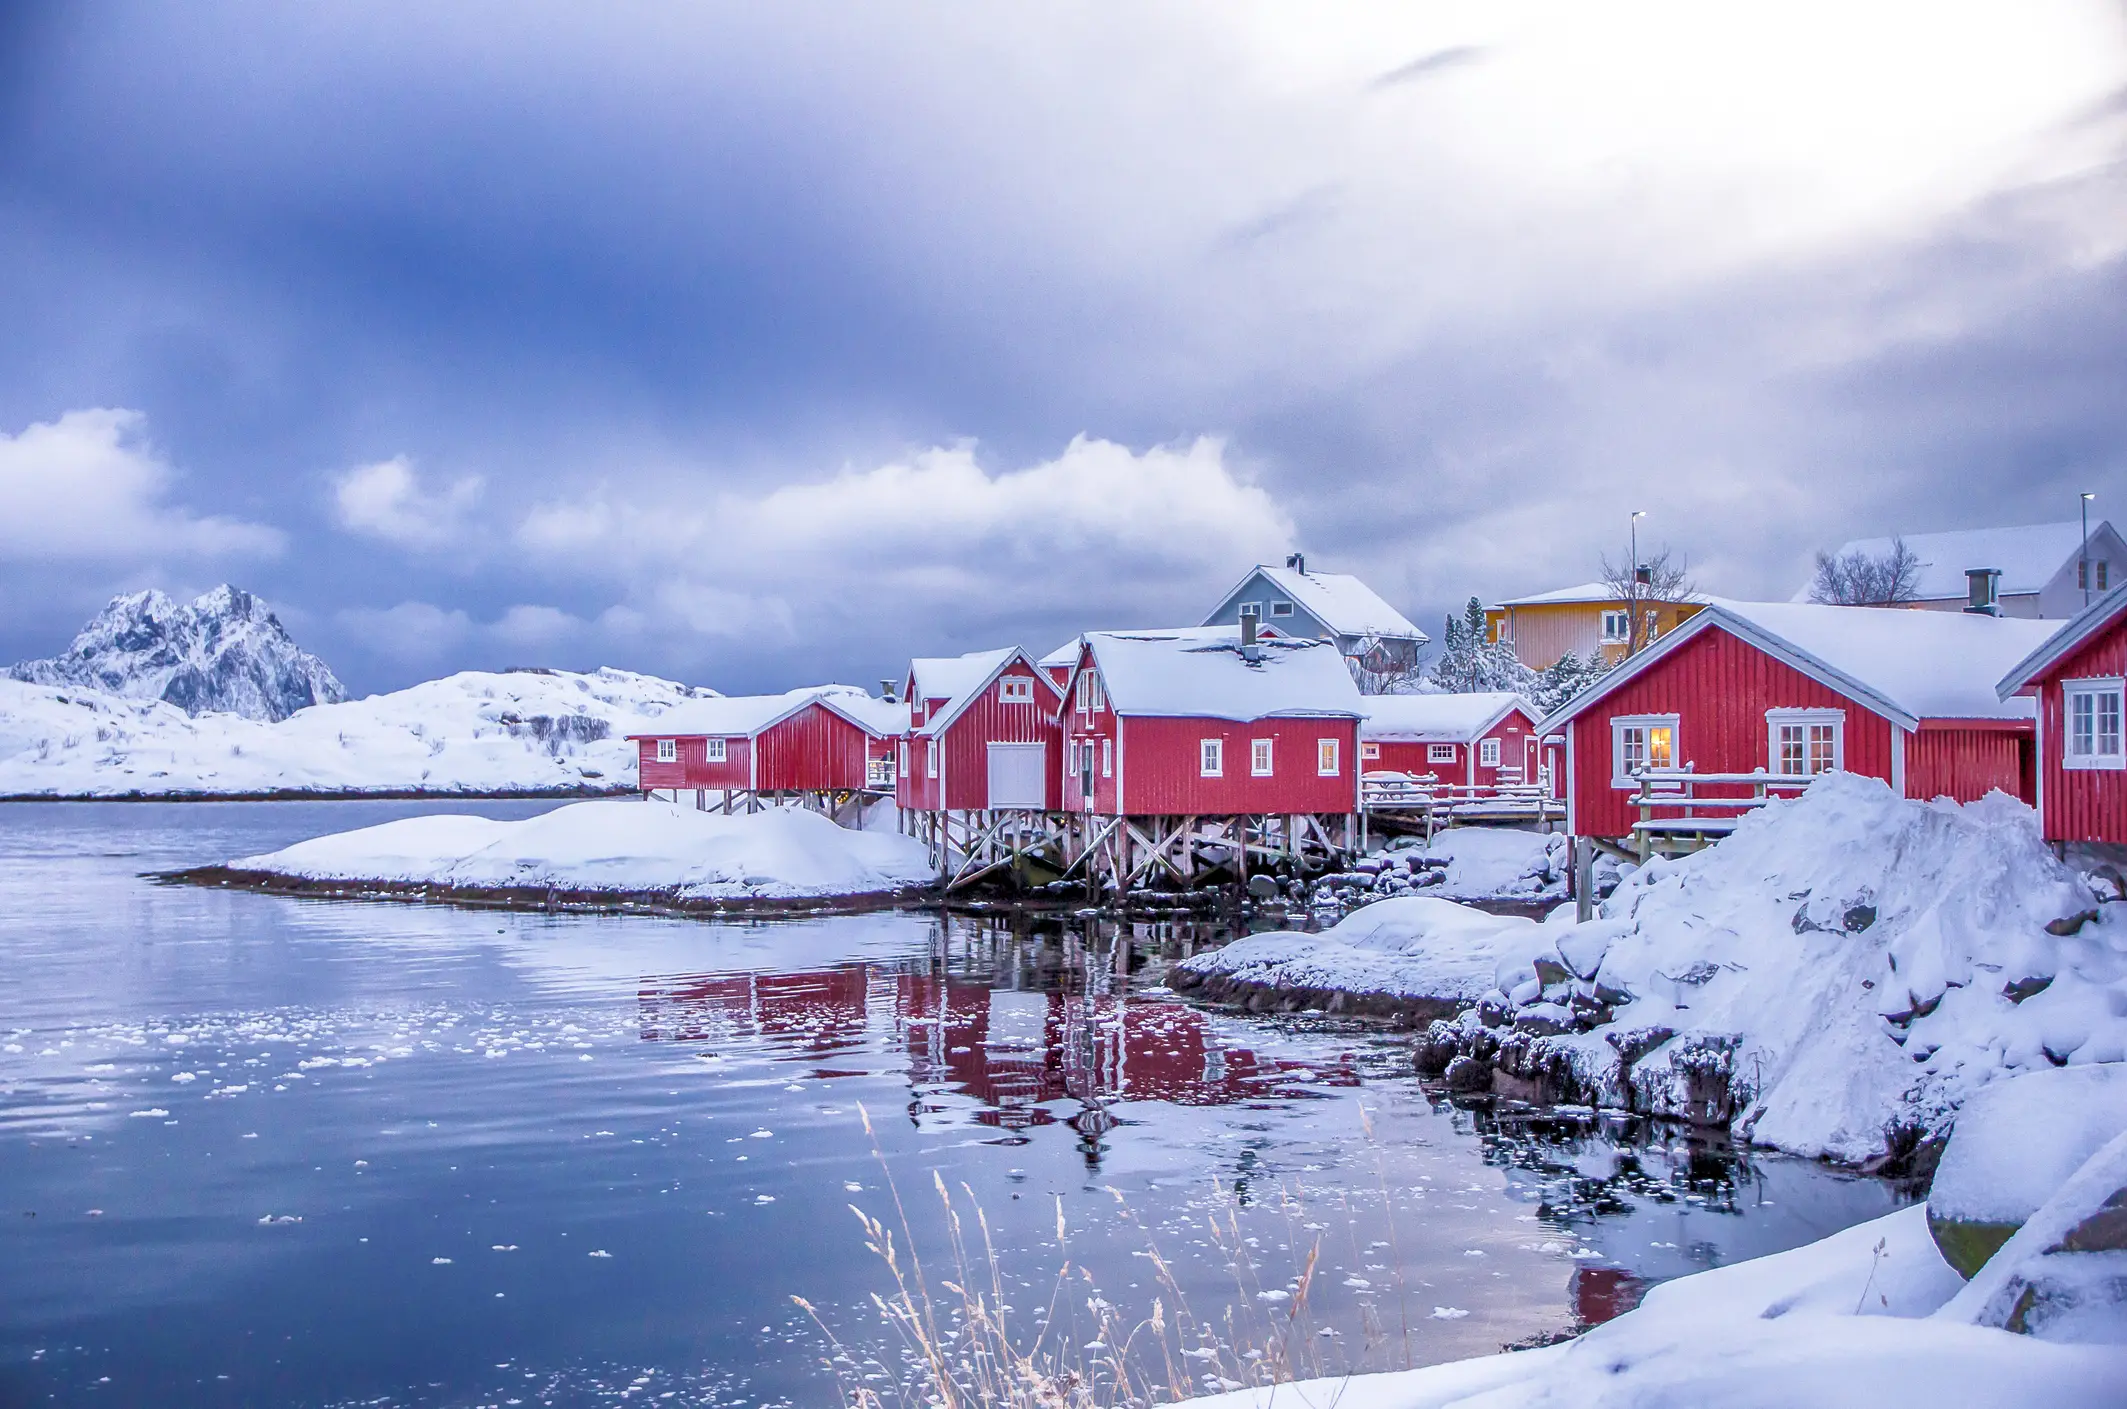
{"type": "Point", "coordinates": [1016, 775]}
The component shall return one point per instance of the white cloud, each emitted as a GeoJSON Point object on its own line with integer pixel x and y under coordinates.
{"type": "Point", "coordinates": [1101, 534]}
{"type": "Point", "coordinates": [88, 487]}
{"type": "Point", "coordinates": [534, 626]}
{"type": "Point", "coordinates": [386, 500]}
{"type": "Point", "coordinates": [412, 633]}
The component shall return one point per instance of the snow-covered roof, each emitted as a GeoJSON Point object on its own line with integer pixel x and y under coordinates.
{"type": "Point", "coordinates": [2073, 635]}
{"type": "Point", "coordinates": [868, 712]}
{"type": "Point", "coordinates": [1438, 718]}
{"type": "Point", "coordinates": [1585, 592]}
{"type": "Point", "coordinates": [733, 716]}
{"type": "Point", "coordinates": [1066, 655]}
{"type": "Point", "coordinates": [959, 679]}
{"type": "Point", "coordinates": [1197, 674]}
{"type": "Point", "coordinates": [2029, 557]}
{"type": "Point", "coordinates": [1338, 600]}
{"type": "Point", "coordinates": [1907, 665]}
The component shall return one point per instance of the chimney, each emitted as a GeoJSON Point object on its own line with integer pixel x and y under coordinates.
{"type": "Point", "coordinates": [1983, 591]}
{"type": "Point", "coordinates": [1250, 651]}
{"type": "Point", "coordinates": [1644, 576]}
{"type": "Point", "coordinates": [886, 691]}
{"type": "Point", "coordinates": [1297, 562]}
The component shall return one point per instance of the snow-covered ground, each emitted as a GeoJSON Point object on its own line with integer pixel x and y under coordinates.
{"type": "Point", "coordinates": [616, 846]}
{"type": "Point", "coordinates": [1461, 863]}
{"type": "Point", "coordinates": [476, 731]}
{"type": "Point", "coordinates": [1834, 979]}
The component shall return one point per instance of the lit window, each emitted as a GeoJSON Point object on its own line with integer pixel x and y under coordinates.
{"type": "Point", "coordinates": [2093, 726]}
{"type": "Point", "coordinates": [1016, 689]}
{"type": "Point", "coordinates": [1615, 626]}
{"type": "Point", "coordinates": [1439, 753]}
{"type": "Point", "coordinates": [1259, 757]}
{"type": "Point", "coordinates": [1368, 753]}
{"type": "Point", "coordinates": [713, 751]}
{"type": "Point", "coordinates": [1107, 758]}
{"type": "Point", "coordinates": [1488, 753]}
{"type": "Point", "coordinates": [668, 750]}
{"type": "Point", "coordinates": [1641, 742]}
{"type": "Point", "coordinates": [1285, 608]}
{"type": "Point", "coordinates": [1211, 757]}
{"type": "Point", "coordinates": [930, 760]}
{"type": "Point", "coordinates": [1802, 743]}
{"type": "Point", "coordinates": [1326, 758]}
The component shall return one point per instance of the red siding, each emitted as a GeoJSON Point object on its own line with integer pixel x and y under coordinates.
{"type": "Point", "coordinates": [990, 720]}
{"type": "Point", "coordinates": [1515, 754]}
{"type": "Point", "coordinates": [1403, 756]}
{"type": "Point", "coordinates": [1964, 763]}
{"type": "Point", "coordinates": [1095, 730]}
{"type": "Point", "coordinates": [815, 750]}
{"type": "Point", "coordinates": [1160, 772]}
{"type": "Point", "coordinates": [1720, 688]}
{"type": "Point", "coordinates": [2080, 804]}
{"type": "Point", "coordinates": [693, 770]}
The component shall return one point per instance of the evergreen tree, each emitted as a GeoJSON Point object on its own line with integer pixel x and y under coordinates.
{"type": "Point", "coordinates": [1469, 661]}
{"type": "Point", "coordinates": [1565, 678]}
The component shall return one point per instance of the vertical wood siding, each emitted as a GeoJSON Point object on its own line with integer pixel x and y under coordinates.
{"type": "Point", "coordinates": [1164, 779]}
{"type": "Point", "coordinates": [1720, 687]}
{"type": "Point", "coordinates": [814, 750]}
{"type": "Point", "coordinates": [1090, 730]}
{"type": "Point", "coordinates": [1404, 756]}
{"type": "Point", "coordinates": [990, 720]}
{"type": "Point", "coordinates": [693, 770]}
{"type": "Point", "coordinates": [1964, 764]}
{"type": "Point", "coordinates": [2080, 804]}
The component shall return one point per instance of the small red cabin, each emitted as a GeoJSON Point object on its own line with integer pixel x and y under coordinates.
{"type": "Point", "coordinates": [2076, 676]}
{"type": "Point", "coordinates": [1482, 739]}
{"type": "Point", "coordinates": [830, 739]}
{"type": "Point", "coordinates": [982, 734]}
{"type": "Point", "coordinates": [1790, 691]}
{"type": "Point", "coordinates": [1189, 722]}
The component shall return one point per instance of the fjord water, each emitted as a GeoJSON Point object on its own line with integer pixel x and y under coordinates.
{"type": "Point", "coordinates": [258, 1150]}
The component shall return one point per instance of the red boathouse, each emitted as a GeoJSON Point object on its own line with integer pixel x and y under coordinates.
{"type": "Point", "coordinates": [1483, 739]}
{"type": "Point", "coordinates": [982, 734]}
{"type": "Point", "coordinates": [2077, 679]}
{"type": "Point", "coordinates": [825, 745]}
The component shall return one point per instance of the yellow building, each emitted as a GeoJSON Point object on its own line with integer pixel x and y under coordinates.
{"type": "Point", "coordinates": [1588, 620]}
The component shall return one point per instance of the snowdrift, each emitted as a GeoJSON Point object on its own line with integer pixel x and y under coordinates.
{"type": "Point", "coordinates": [1834, 979]}
{"type": "Point", "coordinates": [614, 847]}
{"type": "Point", "coordinates": [475, 732]}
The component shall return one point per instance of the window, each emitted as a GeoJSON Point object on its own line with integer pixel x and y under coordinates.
{"type": "Point", "coordinates": [930, 760]}
{"type": "Point", "coordinates": [1076, 755]}
{"type": "Point", "coordinates": [1654, 628]}
{"type": "Point", "coordinates": [1615, 626]}
{"type": "Point", "coordinates": [2093, 710]}
{"type": "Point", "coordinates": [1326, 761]}
{"type": "Point", "coordinates": [2091, 572]}
{"type": "Point", "coordinates": [1016, 689]}
{"type": "Point", "coordinates": [1254, 609]}
{"type": "Point", "coordinates": [713, 751]}
{"type": "Point", "coordinates": [1801, 743]}
{"type": "Point", "coordinates": [1439, 753]}
{"type": "Point", "coordinates": [904, 757]}
{"type": "Point", "coordinates": [1488, 752]}
{"type": "Point", "coordinates": [2102, 565]}
{"type": "Point", "coordinates": [1259, 757]}
{"type": "Point", "coordinates": [1503, 631]}
{"type": "Point", "coordinates": [1107, 758]}
{"type": "Point", "coordinates": [1285, 608]}
{"type": "Point", "coordinates": [1088, 692]}
{"type": "Point", "coordinates": [1641, 741]}
{"type": "Point", "coordinates": [1211, 757]}
{"type": "Point", "coordinates": [1369, 753]}
{"type": "Point", "coordinates": [668, 750]}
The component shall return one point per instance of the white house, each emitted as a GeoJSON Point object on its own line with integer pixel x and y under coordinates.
{"type": "Point", "coordinates": [2042, 566]}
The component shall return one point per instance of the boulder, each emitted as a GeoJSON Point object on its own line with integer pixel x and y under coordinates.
{"type": "Point", "coordinates": [1467, 1076]}
{"type": "Point", "coordinates": [2063, 1275]}
{"type": "Point", "coordinates": [2015, 1143]}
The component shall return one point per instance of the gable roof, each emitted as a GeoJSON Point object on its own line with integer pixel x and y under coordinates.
{"type": "Point", "coordinates": [1200, 674]}
{"type": "Point", "coordinates": [2029, 557]}
{"type": "Point", "coordinates": [733, 716]}
{"type": "Point", "coordinates": [1906, 665]}
{"type": "Point", "coordinates": [2073, 635]}
{"type": "Point", "coordinates": [1338, 600]}
{"type": "Point", "coordinates": [1439, 718]}
{"type": "Point", "coordinates": [1066, 655]}
{"type": "Point", "coordinates": [959, 680]}
{"type": "Point", "coordinates": [877, 717]}
{"type": "Point", "coordinates": [1585, 592]}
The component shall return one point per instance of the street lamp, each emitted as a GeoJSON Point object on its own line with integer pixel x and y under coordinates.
{"type": "Point", "coordinates": [2083, 568]}
{"type": "Point", "coordinates": [1632, 593]}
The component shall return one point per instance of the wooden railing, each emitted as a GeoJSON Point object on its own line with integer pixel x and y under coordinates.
{"type": "Point", "coordinates": [1695, 818]}
{"type": "Point", "coordinates": [879, 774]}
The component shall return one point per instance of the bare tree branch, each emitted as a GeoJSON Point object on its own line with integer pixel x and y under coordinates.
{"type": "Point", "coordinates": [1862, 579]}
{"type": "Point", "coordinates": [1662, 580]}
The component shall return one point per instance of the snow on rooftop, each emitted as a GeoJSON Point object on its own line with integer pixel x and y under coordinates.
{"type": "Point", "coordinates": [1066, 655]}
{"type": "Point", "coordinates": [2029, 557]}
{"type": "Point", "coordinates": [1585, 592]}
{"type": "Point", "coordinates": [950, 678]}
{"type": "Point", "coordinates": [1436, 718]}
{"type": "Point", "coordinates": [1931, 664]}
{"type": "Point", "coordinates": [1341, 602]}
{"type": "Point", "coordinates": [1199, 674]}
{"type": "Point", "coordinates": [733, 715]}
{"type": "Point", "coordinates": [877, 715]}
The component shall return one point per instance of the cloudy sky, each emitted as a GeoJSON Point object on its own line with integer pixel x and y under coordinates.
{"type": "Point", "coordinates": [757, 345]}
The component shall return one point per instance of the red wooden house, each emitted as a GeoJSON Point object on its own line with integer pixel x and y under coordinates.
{"type": "Point", "coordinates": [2076, 676]}
{"type": "Point", "coordinates": [982, 734]}
{"type": "Point", "coordinates": [829, 741]}
{"type": "Point", "coordinates": [1482, 739]}
{"type": "Point", "coordinates": [1190, 722]}
{"type": "Point", "coordinates": [1790, 691]}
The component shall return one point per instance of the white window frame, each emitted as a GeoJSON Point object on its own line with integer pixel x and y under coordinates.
{"type": "Point", "coordinates": [1076, 757]}
{"type": "Point", "coordinates": [1281, 609]}
{"type": "Point", "coordinates": [1777, 719]}
{"type": "Point", "coordinates": [1211, 758]}
{"type": "Point", "coordinates": [1089, 693]}
{"type": "Point", "coordinates": [714, 750]}
{"type": "Point", "coordinates": [1619, 777]}
{"type": "Point", "coordinates": [1107, 758]}
{"type": "Point", "coordinates": [930, 759]}
{"type": "Point", "coordinates": [1441, 753]}
{"type": "Point", "coordinates": [1616, 626]}
{"type": "Point", "coordinates": [904, 758]}
{"type": "Point", "coordinates": [668, 750]}
{"type": "Point", "coordinates": [1254, 609]}
{"type": "Point", "coordinates": [1015, 689]}
{"type": "Point", "coordinates": [1262, 758]}
{"type": "Point", "coordinates": [2094, 689]}
{"type": "Point", "coordinates": [1329, 757]}
{"type": "Point", "coordinates": [1488, 753]}
{"type": "Point", "coordinates": [1369, 753]}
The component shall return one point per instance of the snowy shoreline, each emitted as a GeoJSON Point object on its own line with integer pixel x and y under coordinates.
{"type": "Point", "coordinates": [382, 794]}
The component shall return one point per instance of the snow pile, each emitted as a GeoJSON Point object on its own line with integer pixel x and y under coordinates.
{"type": "Point", "coordinates": [472, 732]}
{"type": "Point", "coordinates": [226, 652]}
{"type": "Point", "coordinates": [615, 846]}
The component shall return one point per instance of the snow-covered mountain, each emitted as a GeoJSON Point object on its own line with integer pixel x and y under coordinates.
{"type": "Point", "coordinates": [475, 732]}
{"type": "Point", "coordinates": [224, 653]}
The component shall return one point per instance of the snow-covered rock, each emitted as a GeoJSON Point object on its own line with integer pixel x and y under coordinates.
{"type": "Point", "coordinates": [474, 732]}
{"type": "Point", "coordinates": [2063, 1277]}
{"type": "Point", "coordinates": [613, 846]}
{"type": "Point", "coordinates": [2016, 1143]}
{"type": "Point", "coordinates": [225, 653]}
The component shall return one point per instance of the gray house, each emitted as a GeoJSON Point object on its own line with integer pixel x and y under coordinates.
{"type": "Point", "coordinates": [1380, 642]}
{"type": "Point", "coordinates": [2044, 572]}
